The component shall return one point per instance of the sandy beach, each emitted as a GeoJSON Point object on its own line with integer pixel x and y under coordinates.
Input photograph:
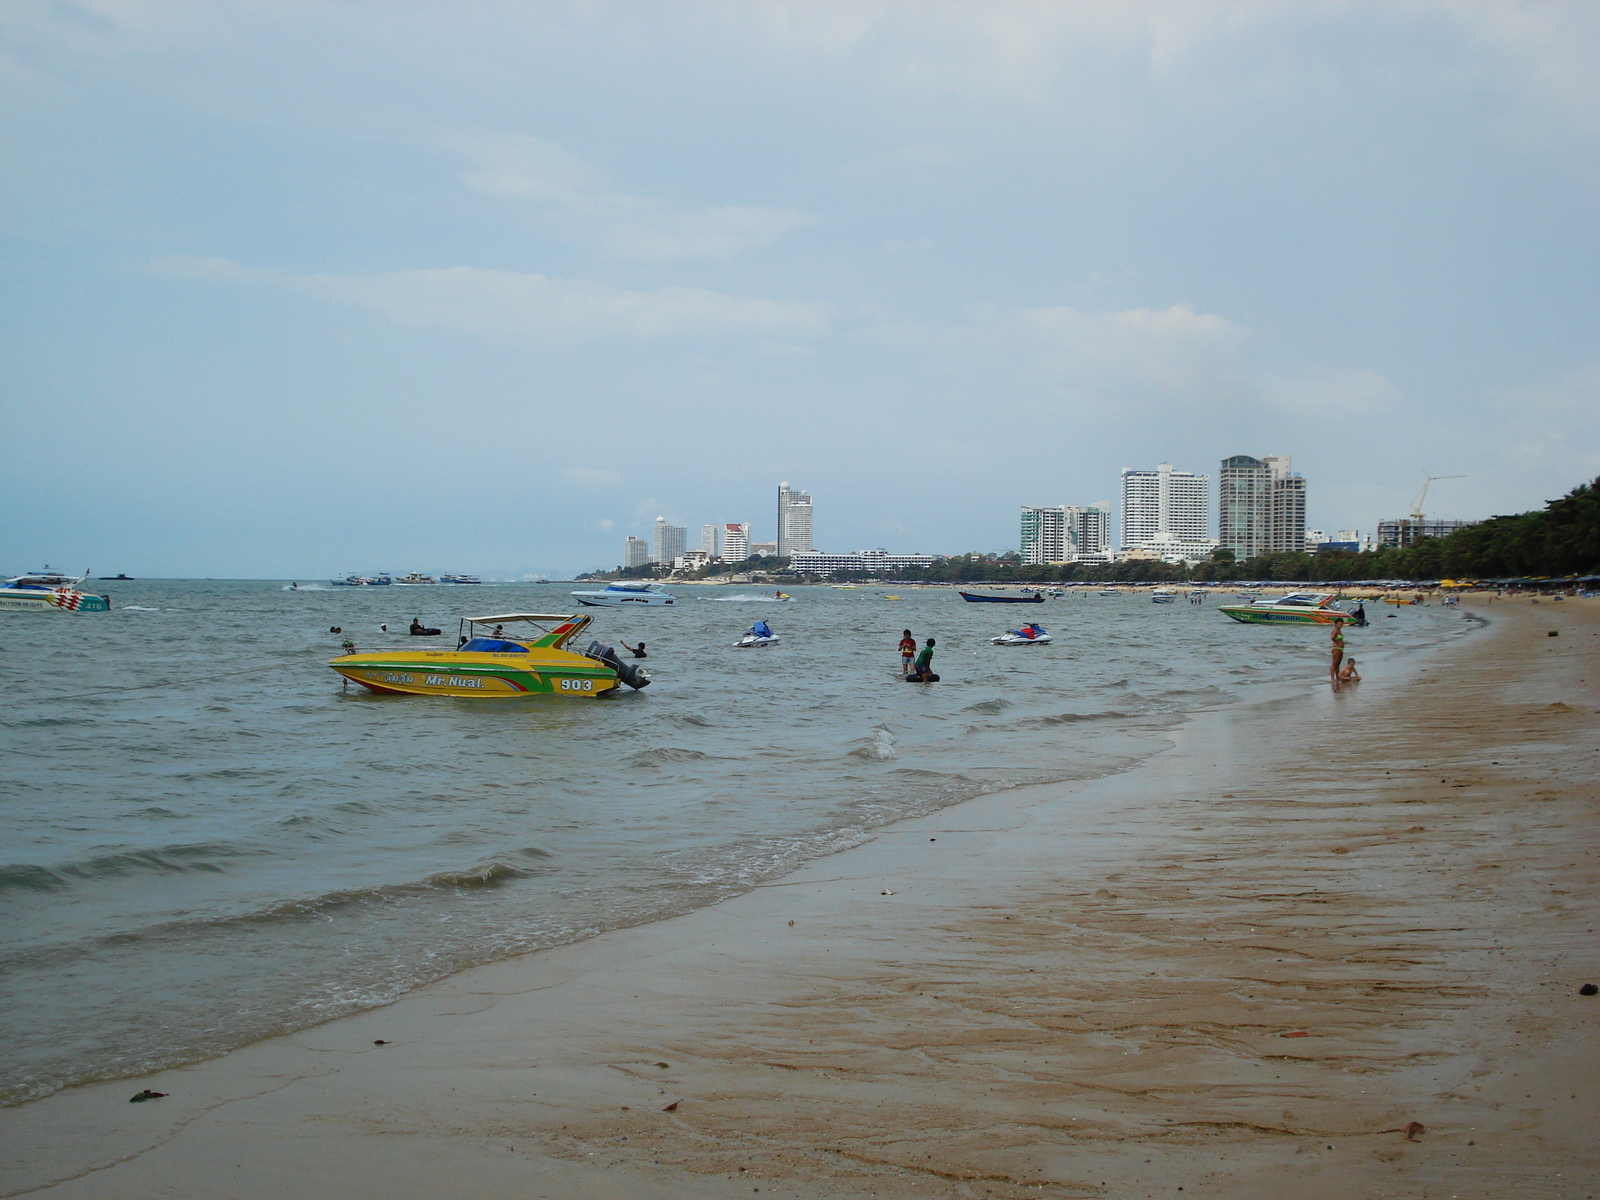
{"type": "Point", "coordinates": [1316, 946]}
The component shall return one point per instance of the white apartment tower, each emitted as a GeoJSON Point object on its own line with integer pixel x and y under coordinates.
{"type": "Point", "coordinates": [794, 520]}
{"type": "Point", "coordinates": [635, 552]}
{"type": "Point", "coordinates": [1065, 533]}
{"type": "Point", "coordinates": [1261, 506]}
{"type": "Point", "coordinates": [669, 542]}
{"type": "Point", "coordinates": [736, 542]}
{"type": "Point", "coordinates": [1167, 511]}
{"type": "Point", "coordinates": [708, 540]}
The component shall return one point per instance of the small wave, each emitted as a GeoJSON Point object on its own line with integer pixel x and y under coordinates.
{"type": "Point", "coordinates": [304, 587]}
{"type": "Point", "coordinates": [138, 608]}
{"type": "Point", "coordinates": [689, 719]}
{"type": "Point", "coordinates": [487, 875]}
{"type": "Point", "coordinates": [1071, 718]}
{"type": "Point", "coordinates": [746, 599]}
{"type": "Point", "coordinates": [168, 860]}
{"type": "Point", "coordinates": [988, 706]}
{"type": "Point", "coordinates": [665, 754]}
{"type": "Point", "coordinates": [879, 747]}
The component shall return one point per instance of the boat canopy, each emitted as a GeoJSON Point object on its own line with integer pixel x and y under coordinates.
{"type": "Point", "coordinates": [502, 618]}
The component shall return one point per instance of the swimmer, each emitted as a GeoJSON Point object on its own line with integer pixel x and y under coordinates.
{"type": "Point", "coordinates": [637, 651]}
{"type": "Point", "coordinates": [908, 651]}
{"type": "Point", "coordinates": [1349, 674]}
{"type": "Point", "coordinates": [922, 672]}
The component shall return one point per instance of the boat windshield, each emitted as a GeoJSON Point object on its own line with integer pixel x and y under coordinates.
{"type": "Point", "coordinates": [493, 646]}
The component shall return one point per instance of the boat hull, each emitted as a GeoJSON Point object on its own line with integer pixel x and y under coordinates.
{"type": "Point", "coordinates": [478, 676]}
{"type": "Point", "coordinates": [993, 598]}
{"type": "Point", "coordinates": [51, 600]}
{"type": "Point", "coordinates": [1256, 614]}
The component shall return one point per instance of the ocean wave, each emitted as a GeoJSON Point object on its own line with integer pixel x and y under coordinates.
{"type": "Point", "coordinates": [877, 747]}
{"type": "Point", "coordinates": [137, 608]}
{"type": "Point", "coordinates": [165, 860]}
{"type": "Point", "coordinates": [660, 755]}
{"type": "Point", "coordinates": [746, 599]}
{"type": "Point", "coordinates": [988, 706]}
{"type": "Point", "coordinates": [1069, 718]}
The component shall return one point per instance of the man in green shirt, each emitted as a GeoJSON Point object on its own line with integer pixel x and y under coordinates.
{"type": "Point", "coordinates": [922, 669]}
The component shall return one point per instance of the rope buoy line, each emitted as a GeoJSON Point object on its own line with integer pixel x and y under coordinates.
{"type": "Point", "coordinates": [140, 687]}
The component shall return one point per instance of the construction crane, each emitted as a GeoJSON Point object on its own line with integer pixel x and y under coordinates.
{"type": "Point", "coordinates": [1416, 509]}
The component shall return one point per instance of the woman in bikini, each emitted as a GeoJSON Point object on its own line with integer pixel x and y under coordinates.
{"type": "Point", "coordinates": [1338, 651]}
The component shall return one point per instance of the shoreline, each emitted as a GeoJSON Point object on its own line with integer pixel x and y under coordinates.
{"type": "Point", "coordinates": [891, 1040]}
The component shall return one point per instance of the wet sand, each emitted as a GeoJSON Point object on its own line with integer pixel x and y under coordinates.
{"type": "Point", "coordinates": [1242, 969]}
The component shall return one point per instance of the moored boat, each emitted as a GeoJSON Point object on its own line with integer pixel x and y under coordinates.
{"type": "Point", "coordinates": [49, 591]}
{"type": "Point", "coordinates": [999, 594]}
{"type": "Point", "coordinates": [1163, 596]}
{"type": "Point", "coordinates": [416, 579]}
{"type": "Point", "coordinates": [498, 665]}
{"type": "Point", "coordinates": [760, 635]}
{"type": "Point", "coordinates": [381, 579]}
{"type": "Point", "coordinates": [1297, 608]}
{"type": "Point", "coordinates": [627, 595]}
{"type": "Point", "coordinates": [1109, 592]}
{"type": "Point", "coordinates": [1028, 635]}
{"type": "Point", "coordinates": [459, 579]}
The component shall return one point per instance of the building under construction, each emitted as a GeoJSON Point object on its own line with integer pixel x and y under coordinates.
{"type": "Point", "coordinates": [1403, 531]}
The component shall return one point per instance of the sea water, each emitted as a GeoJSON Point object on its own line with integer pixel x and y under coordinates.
{"type": "Point", "coordinates": [208, 839]}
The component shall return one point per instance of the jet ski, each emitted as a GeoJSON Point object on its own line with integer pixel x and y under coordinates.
{"type": "Point", "coordinates": [760, 635]}
{"type": "Point", "coordinates": [1028, 635]}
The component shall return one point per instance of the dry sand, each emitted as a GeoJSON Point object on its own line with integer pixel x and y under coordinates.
{"type": "Point", "coordinates": [1239, 970]}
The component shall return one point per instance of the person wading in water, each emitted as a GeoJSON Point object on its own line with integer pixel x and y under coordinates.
{"type": "Point", "coordinates": [908, 651]}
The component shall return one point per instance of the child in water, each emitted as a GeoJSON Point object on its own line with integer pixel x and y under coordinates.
{"type": "Point", "coordinates": [908, 651]}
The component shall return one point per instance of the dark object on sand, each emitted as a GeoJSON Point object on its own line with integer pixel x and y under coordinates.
{"type": "Point", "coordinates": [380, 1042]}
{"type": "Point", "coordinates": [1554, 633]}
{"type": "Point", "coordinates": [1589, 989]}
{"type": "Point", "coordinates": [673, 1107]}
{"type": "Point", "coordinates": [147, 1094]}
{"type": "Point", "coordinates": [1413, 1128]}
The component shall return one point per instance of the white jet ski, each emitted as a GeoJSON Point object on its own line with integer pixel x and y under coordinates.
{"type": "Point", "coordinates": [1028, 635]}
{"type": "Point", "coordinates": [760, 635]}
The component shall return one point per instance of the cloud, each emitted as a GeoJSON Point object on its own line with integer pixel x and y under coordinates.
{"type": "Point", "coordinates": [629, 227]}
{"type": "Point", "coordinates": [1129, 353]}
{"type": "Point", "coordinates": [528, 307]}
{"type": "Point", "coordinates": [1347, 391]}
{"type": "Point", "coordinates": [592, 477]}
{"type": "Point", "coordinates": [709, 233]}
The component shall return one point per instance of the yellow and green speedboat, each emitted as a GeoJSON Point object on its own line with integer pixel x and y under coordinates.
{"type": "Point", "coordinates": [498, 664]}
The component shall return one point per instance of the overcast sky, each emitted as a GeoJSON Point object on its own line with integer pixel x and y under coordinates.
{"type": "Point", "coordinates": [302, 288]}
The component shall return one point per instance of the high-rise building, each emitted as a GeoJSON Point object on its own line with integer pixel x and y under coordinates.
{"type": "Point", "coordinates": [1261, 506]}
{"type": "Point", "coordinates": [735, 542]}
{"type": "Point", "coordinates": [1167, 511]}
{"type": "Point", "coordinates": [1065, 533]}
{"type": "Point", "coordinates": [794, 520]}
{"type": "Point", "coordinates": [669, 541]}
{"type": "Point", "coordinates": [1286, 525]}
{"type": "Point", "coordinates": [708, 539]}
{"type": "Point", "coordinates": [635, 552]}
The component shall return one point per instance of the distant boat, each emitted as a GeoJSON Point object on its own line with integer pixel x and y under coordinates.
{"type": "Point", "coordinates": [118, 578]}
{"type": "Point", "coordinates": [459, 579]}
{"type": "Point", "coordinates": [1108, 592]}
{"type": "Point", "coordinates": [998, 594]}
{"type": "Point", "coordinates": [1163, 596]}
{"type": "Point", "coordinates": [381, 579]}
{"type": "Point", "coordinates": [627, 595]}
{"type": "Point", "coordinates": [416, 579]}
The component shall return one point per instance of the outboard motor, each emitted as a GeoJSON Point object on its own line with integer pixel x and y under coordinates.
{"type": "Point", "coordinates": [631, 674]}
